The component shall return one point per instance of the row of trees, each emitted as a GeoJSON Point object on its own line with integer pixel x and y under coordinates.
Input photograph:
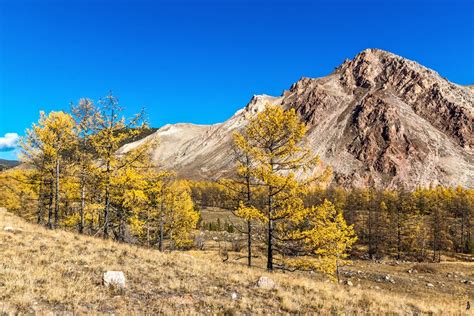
{"type": "Point", "coordinates": [415, 224]}
{"type": "Point", "coordinates": [75, 175]}
{"type": "Point", "coordinates": [78, 174]}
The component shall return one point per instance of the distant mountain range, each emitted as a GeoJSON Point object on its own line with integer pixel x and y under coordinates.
{"type": "Point", "coordinates": [6, 164]}
{"type": "Point", "coordinates": [378, 119]}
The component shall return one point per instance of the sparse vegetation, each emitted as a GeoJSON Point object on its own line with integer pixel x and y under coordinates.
{"type": "Point", "coordinates": [45, 271]}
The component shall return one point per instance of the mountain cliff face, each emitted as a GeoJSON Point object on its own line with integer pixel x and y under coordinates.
{"type": "Point", "coordinates": [379, 119]}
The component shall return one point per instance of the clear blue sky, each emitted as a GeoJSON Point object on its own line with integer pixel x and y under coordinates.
{"type": "Point", "coordinates": [200, 61]}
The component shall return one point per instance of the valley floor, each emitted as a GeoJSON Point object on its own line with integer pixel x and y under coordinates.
{"type": "Point", "coordinates": [43, 271]}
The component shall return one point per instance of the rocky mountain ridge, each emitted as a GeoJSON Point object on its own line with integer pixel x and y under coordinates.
{"type": "Point", "coordinates": [378, 119]}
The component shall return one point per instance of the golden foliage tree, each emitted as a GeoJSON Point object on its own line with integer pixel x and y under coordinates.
{"type": "Point", "coordinates": [47, 146]}
{"type": "Point", "coordinates": [321, 238]}
{"type": "Point", "coordinates": [113, 130]}
{"type": "Point", "coordinates": [274, 141]}
{"type": "Point", "coordinates": [167, 212]}
{"type": "Point", "coordinates": [86, 116]}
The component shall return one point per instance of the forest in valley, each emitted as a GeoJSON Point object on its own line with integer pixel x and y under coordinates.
{"type": "Point", "coordinates": [76, 176]}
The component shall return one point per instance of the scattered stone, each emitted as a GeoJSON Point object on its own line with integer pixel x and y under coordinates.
{"type": "Point", "coordinates": [234, 296]}
{"type": "Point", "coordinates": [412, 271]}
{"type": "Point", "coordinates": [265, 283]}
{"type": "Point", "coordinates": [429, 285]}
{"type": "Point", "coordinates": [10, 229]}
{"type": "Point", "coordinates": [388, 278]}
{"type": "Point", "coordinates": [115, 279]}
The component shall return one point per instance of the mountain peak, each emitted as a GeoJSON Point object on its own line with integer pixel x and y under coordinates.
{"type": "Point", "coordinates": [379, 119]}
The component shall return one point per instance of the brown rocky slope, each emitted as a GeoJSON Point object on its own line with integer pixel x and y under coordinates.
{"type": "Point", "coordinates": [378, 119]}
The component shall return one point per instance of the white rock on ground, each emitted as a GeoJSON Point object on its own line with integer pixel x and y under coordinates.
{"type": "Point", "coordinates": [12, 229]}
{"type": "Point", "coordinates": [265, 283]}
{"type": "Point", "coordinates": [115, 279]}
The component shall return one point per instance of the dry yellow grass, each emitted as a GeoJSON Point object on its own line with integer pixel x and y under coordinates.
{"type": "Point", "coordinates": [44, 271]}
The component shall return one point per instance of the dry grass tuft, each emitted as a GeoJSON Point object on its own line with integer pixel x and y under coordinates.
{"type": "Point", "coordinates": [44, 271]}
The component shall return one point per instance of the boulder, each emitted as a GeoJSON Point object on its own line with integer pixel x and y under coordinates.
{"type": "Point", "coordinates": [10, 229]}
{"type": "Point", "coordinates": [114, 279]}
{"type": "Point", "coordinates": [265, 283]}
{"type": "Point", "coordinates": [429, 285]}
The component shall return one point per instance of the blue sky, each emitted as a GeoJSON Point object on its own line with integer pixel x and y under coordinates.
{"type": "Point", "coordinates": [200, 61]}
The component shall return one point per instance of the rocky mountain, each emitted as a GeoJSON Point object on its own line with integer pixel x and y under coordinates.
{"type": "Point", "coordinates": [378, 119]}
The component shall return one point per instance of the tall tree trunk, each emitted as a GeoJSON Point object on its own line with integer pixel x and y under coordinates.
{"type": "Point", "coordinates": [50, 205]}
{"type": "Point", "coordinates": [121, 230]}
{"type": "Point", "coordinates": [249, 243]}
{"type": "Point", "coordinates": [399, 241]}
{"type": "Point", "coordinates": [162, 206]}
{"type": "Point", "coordinates": [399, 231]}
{"type": "Point", "coordinates": [83, 206]}
{"type": "Point", "coordinates": [462, 243]}
{"type": "Point", "coordinates": [107, 202]}
{"type": "Point", "coordinates": [434, 241]}
{"type": "Point", "coordinates": [148, 227]}
{"type": "Point", "coordinates": [249, 222]}
{"type": "Point", "coordinates": [57, 201]}
{"type": "Point", "coordinates": [369, 227]}
{"type": "Point", "coordinates": [270, 232]}
{"type": "Point", "coordinates": [40, 203]}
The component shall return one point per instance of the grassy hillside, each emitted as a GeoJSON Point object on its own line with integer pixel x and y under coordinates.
{"type": "Point", "coordinates": [55, 271]}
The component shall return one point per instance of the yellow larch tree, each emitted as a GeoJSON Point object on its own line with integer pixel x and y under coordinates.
{"type": "Point", "coordinates": [86, 116]}
{"type": "Point", "coordinates": [47, 146]}
{"type": "Point", "coordinates": [181, 218]}
{"type": "Point", "coordinates": [113, 130]}
{"type": "Point", "coordinates": [274, 139]}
